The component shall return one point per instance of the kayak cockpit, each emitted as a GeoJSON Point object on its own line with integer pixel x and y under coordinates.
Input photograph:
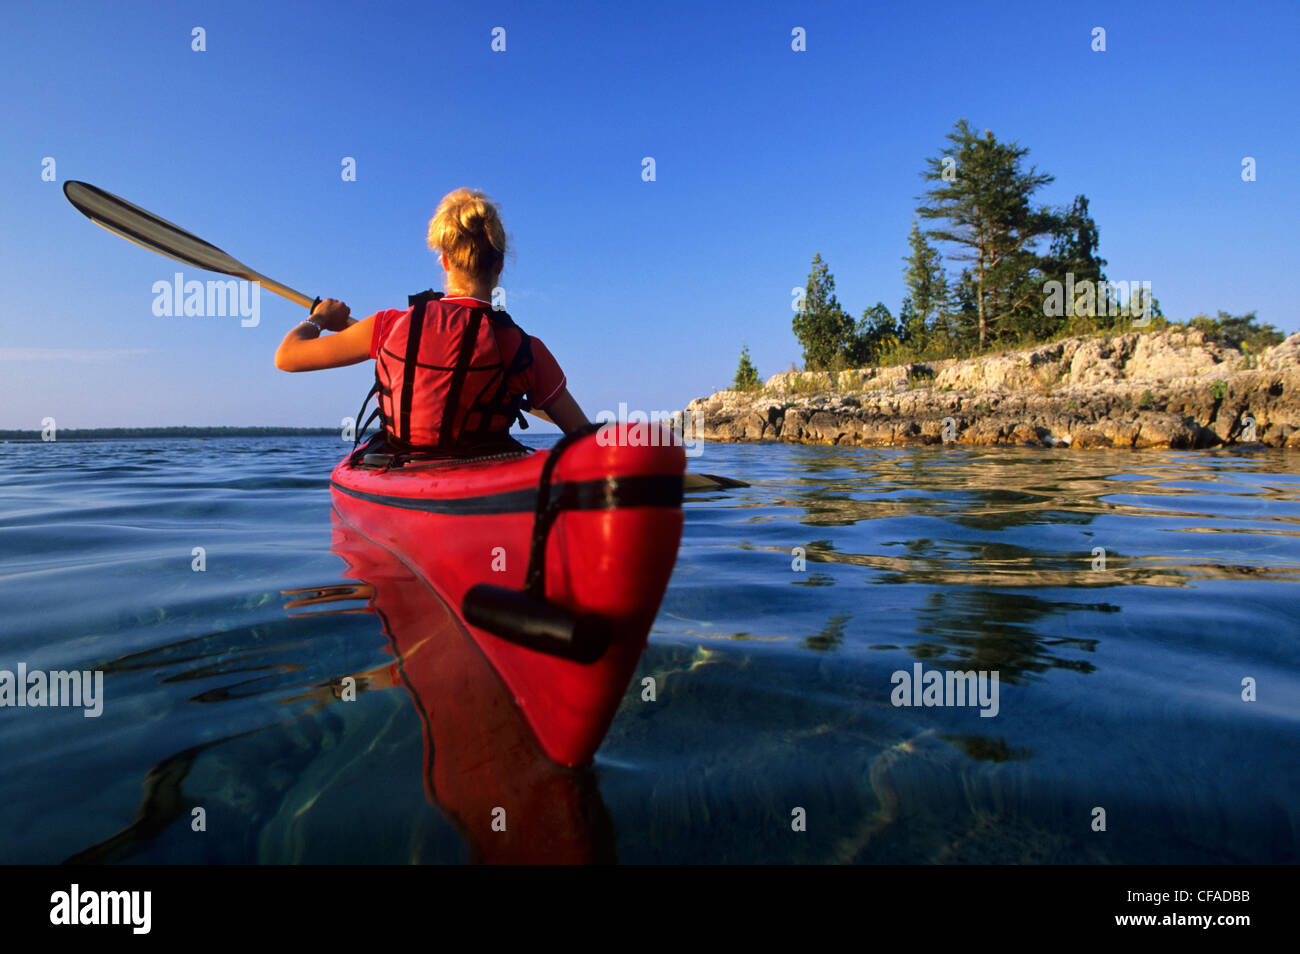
{"type": "Point", "coordinates": [377, 453]}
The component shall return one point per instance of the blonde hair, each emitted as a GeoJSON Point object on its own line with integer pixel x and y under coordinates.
{"type": "Point", "coordinates": [467, 229]}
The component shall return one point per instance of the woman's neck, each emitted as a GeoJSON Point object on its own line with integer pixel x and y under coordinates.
{"type": "Point", "coordinates": [466, 289]}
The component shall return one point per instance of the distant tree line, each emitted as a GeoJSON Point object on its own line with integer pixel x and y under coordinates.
{"type": "Point", "coordinates": [1006, 291]}
{"type": "Point", "coordinates": [137, 433]}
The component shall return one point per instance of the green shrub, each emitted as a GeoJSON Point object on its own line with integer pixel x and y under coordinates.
{"type": "Point", "coordinates": [1237, 331]}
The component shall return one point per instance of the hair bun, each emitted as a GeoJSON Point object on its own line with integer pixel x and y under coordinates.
{"type": "Point", "coordinates": [467, 229]}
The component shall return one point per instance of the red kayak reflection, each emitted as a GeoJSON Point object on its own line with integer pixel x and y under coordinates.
{"type": "Point", "coordinates": [482, 764]}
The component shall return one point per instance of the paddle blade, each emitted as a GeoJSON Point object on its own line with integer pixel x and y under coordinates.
{"type": "Point", "coordinates": [699, 482]}
{"type": "Point", "coordinates": [148, 230]}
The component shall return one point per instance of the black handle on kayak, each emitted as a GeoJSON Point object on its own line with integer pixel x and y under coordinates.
{"type": "Point", "coordinates": [527, 621]}
{"type": "Point", "coordinates": [526, 617]}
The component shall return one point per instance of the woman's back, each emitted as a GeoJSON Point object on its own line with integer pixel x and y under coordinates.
{"type": "Point", "coordinates": [451, 370]}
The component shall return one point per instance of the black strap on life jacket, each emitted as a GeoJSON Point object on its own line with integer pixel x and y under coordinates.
{"type": "Point", "coordinates": [504, 402]}
{"type": "Point", "coordinates": [446, 433]}
{"type": "Point", "coordinates": [360, 430]}
{"type": "Point", "coordinates": [419, 303]}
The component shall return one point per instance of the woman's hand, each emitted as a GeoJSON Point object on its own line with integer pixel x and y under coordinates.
{"type": "Point", "coordinates": [332, 315]}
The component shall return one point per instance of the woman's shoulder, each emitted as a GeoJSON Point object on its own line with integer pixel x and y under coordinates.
{"type": "Point", "coordinates": [383, 323]}
{"type": "Point", "coordinates": [383, 319]}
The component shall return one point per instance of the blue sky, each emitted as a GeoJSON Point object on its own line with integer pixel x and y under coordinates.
{"type": "Point", "coordinates": [645, 291]}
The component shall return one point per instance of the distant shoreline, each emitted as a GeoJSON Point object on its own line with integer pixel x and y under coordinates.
{"type": "Point", "coordinates": [73, 434]}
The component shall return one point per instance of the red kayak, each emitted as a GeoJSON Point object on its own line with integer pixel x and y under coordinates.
{"type": "Point", "coordinates": [556, 561]}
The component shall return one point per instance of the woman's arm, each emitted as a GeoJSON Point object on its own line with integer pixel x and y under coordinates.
{"type": "Point", "coordinates": [304, 349]}
{"type": "Point", "coordinates": [564, 413]}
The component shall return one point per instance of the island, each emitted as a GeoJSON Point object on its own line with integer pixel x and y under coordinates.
{"type": "Point", "coordinates": [1172, 388]}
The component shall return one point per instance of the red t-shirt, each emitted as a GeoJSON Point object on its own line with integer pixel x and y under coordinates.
{"type": "Point", "coordinates": [542, 381]}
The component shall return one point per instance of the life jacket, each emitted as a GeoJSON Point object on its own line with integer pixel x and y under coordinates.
{"type": "Point", "coordinates": [441, 377]}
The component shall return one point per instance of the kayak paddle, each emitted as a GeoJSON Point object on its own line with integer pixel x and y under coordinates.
{"type": "Point", "coordinates": [158, 235]}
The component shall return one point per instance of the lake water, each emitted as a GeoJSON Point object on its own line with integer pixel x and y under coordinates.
{"type": "Point", "coordinates": [1126, 601]}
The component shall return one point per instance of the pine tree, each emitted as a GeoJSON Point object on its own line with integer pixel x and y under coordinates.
{"type": "Point", "coordinates": [1074, 243]}
{"type": "Point", "coordinates": [986, 204]}
{"type": "Point", "coordinates": [746, 373]}
{"type": "Point", "coordinates": [964, 318]}
{"type": "Point", "coordinates": [822, 327]}
{"type": "Point", "coordinates": [927, 286]}
{"type": "Point", "coordinates": [1074, 253]}
{"type": "Point", "coordinates": [912, 329]}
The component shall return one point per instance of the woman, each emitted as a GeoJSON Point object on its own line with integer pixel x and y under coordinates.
{"type": "Point", "coordinates": [452, 374]}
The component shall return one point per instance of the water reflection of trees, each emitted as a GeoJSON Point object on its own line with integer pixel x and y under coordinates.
{"type": "Point", "coordinates": [830, 637]}
{"type": "Point", "coordinates": [987, 522]}
{"type": "Point", "coordinates": [984, 749]}
{"type": "Point", "coordinates": [989, 630]}
{"type": "Point", "coordinates": [991, 493]}
{"type": "Point", "coordinates": [1013, 487]}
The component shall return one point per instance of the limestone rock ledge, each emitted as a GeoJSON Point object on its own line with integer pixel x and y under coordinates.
{"type": "Point", "coordinates": [1162, 389]}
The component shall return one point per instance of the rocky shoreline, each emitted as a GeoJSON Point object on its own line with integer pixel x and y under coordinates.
{"type": "Point", "coordinates": [1167, 389]}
